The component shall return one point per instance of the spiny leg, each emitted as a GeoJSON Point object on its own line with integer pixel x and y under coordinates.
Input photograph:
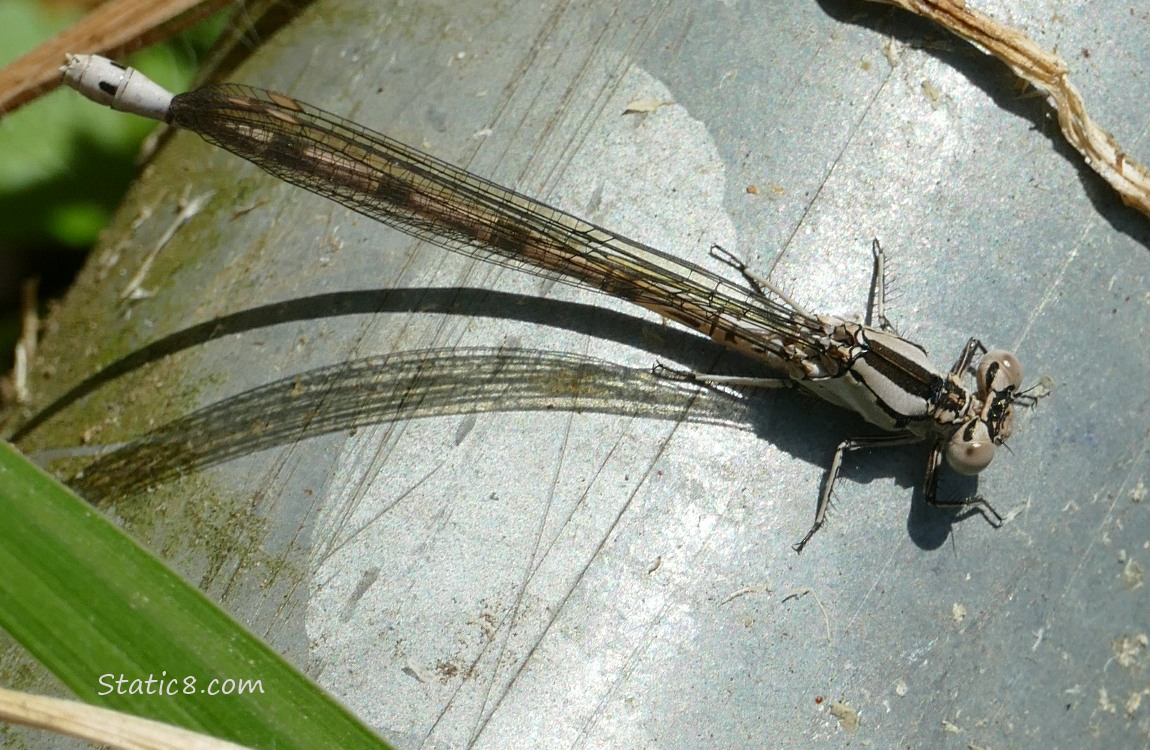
{"type": "Point", "coordinates": [876, 310]}
{"type": "Point", "coordinates": [847, 446]}
{"type": "Point", "coordinates": [759, 284]}
{"type": "Point", "coordinates": [667, 372]}
{"type": "Point", "coordinates": [973, 348]}
{"type": "Point", "coordinates": [973, 502]}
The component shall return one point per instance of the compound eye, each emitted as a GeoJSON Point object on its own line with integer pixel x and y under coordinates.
{"type": "Point", "coordinates": [998, 371]}
{"type": "Point", "coordinates": [970, 450]}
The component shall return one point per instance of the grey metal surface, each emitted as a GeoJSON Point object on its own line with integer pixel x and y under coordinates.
{"type": "Point", "coordinates": [616, 571]}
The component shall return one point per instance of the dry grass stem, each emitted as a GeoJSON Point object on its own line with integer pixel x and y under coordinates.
{"type": "Point", "coordinates": [1048, 73]}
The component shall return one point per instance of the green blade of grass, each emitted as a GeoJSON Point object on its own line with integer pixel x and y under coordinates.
{"type": "Point", "coordinates": [93, 607]}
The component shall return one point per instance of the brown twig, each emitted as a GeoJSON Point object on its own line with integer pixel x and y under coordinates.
{"type": "Point", "coordinates": [101, 725]}
{"type": "Point", "coordinates": [1048, 73]}
{"type": "Point", "coordinates": [114, 29]}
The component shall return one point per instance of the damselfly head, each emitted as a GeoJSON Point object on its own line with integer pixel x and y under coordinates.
{"type": "Point", "coordinates": [971, 447]}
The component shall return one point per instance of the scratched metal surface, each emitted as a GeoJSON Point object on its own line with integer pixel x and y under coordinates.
{"type": "Point", "coordinates": [561, 552]}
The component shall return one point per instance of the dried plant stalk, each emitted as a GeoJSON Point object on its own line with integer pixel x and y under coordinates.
{"type": "Point", "coordinates": [1048, 73]}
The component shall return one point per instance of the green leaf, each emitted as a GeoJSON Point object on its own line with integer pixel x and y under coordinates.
{"type": "Point", "coordinates": [94, 607]}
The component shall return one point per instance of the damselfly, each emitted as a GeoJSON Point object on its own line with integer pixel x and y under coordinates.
{"type": "Point", "coordinates": [865, 367]}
